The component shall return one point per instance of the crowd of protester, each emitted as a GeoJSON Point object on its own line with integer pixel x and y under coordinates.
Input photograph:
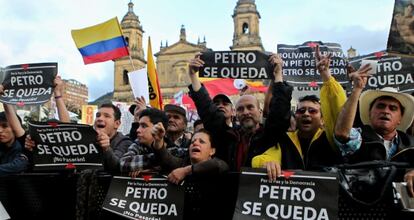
{"type": "Point", "coordinates": [229, 136]}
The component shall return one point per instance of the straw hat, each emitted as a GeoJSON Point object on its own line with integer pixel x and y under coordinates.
{"type": "Point", "coordinates": [406, 100]}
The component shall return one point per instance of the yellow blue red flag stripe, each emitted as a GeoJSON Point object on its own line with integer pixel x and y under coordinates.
{"type": "Point", "coordinates": [101, 42]}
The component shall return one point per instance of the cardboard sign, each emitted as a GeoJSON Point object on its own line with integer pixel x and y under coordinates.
{"type": "Point", "coordinates": [401, 35]}
{"type": "Point", "coordinates": [61, 144]}
{"type": "Point", "coordinates": [88, 114]}
{"type": "Point", "coordinates": [236, 65]}
{"type": "Point", "coordinates": [392, 71]}
{"type": "Point", "coordinates": [27, 84]}
{"type": "Point", "coordinates": [299, 64]}
{"type": "Point", "coordinates": [294, 195]}
{"type": "Point", "coordinates": [145, 198]}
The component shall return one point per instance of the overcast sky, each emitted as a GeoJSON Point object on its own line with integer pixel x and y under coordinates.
{"type": "Point", "coordinates": [39, 31]}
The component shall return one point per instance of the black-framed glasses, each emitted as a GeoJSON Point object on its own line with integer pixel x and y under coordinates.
{"type": "Point", "coordinates": [311, 110]}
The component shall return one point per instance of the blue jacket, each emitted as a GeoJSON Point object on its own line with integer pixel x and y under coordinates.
{"type": "Point", "coordinates": [12, 159]}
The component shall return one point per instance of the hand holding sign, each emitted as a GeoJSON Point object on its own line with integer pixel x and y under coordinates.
{"type": "Point", "coordinates": [273, 170]}
{"type": "Point", "coordinates": [277, 62]}
{"type": "Point", "coordinates": [409, 178]}
{"type": "Point", "coordinates": [195, 64]}
{"type": "Point", "coordinates": [158, 132]}
{"type": "Point", "coordinates": [29, 144]}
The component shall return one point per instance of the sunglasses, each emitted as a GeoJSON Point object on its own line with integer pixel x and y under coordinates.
{"type": "Point", "coordinates": [311, 110]}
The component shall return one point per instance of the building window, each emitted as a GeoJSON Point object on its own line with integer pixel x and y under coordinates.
{"type": "Point", "coordinates": [127, 40]}
{"type": "Point", "coordinates": [125, 77]}
{"type": "Point", "coordinates": [245, 28]}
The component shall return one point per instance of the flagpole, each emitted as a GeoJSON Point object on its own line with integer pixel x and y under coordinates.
{"type": "Point", "coordinates": [132, 63]}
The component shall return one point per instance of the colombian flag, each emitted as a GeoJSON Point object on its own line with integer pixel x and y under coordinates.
{"type": "Point", "coordinates": [154, 85]}
{"type": "Point", "coordinates": [101, 42]}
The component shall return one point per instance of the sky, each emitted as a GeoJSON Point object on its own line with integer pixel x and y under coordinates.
{"type": "Point", "coordinates": [39, 31]}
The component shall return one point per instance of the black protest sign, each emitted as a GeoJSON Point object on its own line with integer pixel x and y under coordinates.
{"type": "Point", "coordinates": [298, 195]}
{"type": "Point", "coordinates": [145, 198]}
{"type": "Point", "coordinates": [62, 145]}
{"type": "Point", "coordinates": [401, 35]}
{"type": "Point", "coordinates": [236, 65]}
{"type": "Point", "coordinates": [392, 71]}
{"type": "Point", "coordinates": [27, 84]}
{"type": "Point", "coordinates": [299, 64]}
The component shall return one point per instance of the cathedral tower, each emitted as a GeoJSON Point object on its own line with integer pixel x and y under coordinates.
{"type": "Point", "coordinates": [132, 31]}
{"type": "Point", "coordinates": [246, 27]}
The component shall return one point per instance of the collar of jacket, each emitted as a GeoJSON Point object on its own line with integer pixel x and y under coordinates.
{"type": "Point", "coordinates": [294, 137]}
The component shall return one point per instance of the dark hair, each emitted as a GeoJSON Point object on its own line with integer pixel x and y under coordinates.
{"type": "Point", "coordinates": [210, 138]}
{"type": "Point", "coordinates": [3, 118]}
{"type": "Point", "coordinates": [155, 116]}
{"type": "Point", "coordinates": [311, 98]}
{"type": "Point", "coordinates": [117, 112]}
{"type": "Point", "coordinates": [387, 97]}
{"type": "Point", "coordinates": [197, 122]}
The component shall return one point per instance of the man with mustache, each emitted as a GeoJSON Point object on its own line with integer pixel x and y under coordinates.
{"type": "Point", "coordinates": [239, 144]}
{"type": "Point", "coordinates": [385, 113]}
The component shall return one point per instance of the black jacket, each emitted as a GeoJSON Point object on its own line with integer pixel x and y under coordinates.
{"type": "Point", "coordinates": [229, 138]}
{"type": "Point", "coordinates": [372, 148]}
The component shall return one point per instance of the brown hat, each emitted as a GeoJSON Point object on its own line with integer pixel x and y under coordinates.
{"type": "Point", "coordinates": [175, 108]}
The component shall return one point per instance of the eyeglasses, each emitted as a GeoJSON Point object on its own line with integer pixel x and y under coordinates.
{"type": "Point", "coordinates": [311, 110]}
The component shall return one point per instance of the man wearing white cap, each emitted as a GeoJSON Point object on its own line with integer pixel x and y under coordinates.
{"type": "Point", "coordinates": [385, 113]}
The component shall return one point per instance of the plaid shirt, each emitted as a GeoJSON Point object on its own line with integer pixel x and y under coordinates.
{"type": "Point", "coordinates": [141, 157]}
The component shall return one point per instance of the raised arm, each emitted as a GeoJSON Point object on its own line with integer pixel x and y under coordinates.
{"type": "Point", "coordinates": [194, 67]}
{"type": "Point", "coordinates": [60, 104]}
{"type": "Point", "coordinates": [347, 116]}
{"type": "Point", "coordinates": [14, 122]}
{"type": "Point", "coordinates": [332, 95]}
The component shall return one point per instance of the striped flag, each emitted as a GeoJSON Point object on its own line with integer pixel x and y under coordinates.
{"type": "Point", "coordinates": [101, 42]}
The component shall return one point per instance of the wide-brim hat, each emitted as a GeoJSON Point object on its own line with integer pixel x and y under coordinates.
{"type": "Point", "coordinates": [223, 97]}
{"type": "Point", "coordinates": [406, 100]}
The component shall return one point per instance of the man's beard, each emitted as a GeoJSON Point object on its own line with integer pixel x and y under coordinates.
{"type": "Point", "coordinates": [248, 124]}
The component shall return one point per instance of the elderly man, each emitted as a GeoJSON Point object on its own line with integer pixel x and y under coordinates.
{"type": "Point", "coordinates": [385, 114]}
{"type": "Point", "coordinates": [177, 124]}
{"type": "Point", "coordinates": [239, 144]}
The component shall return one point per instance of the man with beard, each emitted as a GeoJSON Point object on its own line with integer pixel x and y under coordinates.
{"type": "Point", "coordinates": [113, 143]}
{"type": "Point", "coordinates": [311, 146]}
{"type": "Point", "coordinates": [238, 144]}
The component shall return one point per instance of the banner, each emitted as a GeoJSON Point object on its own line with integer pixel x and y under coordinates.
{"type": "Point", "coordinates": [392, 71]}
{"type": "Point", "coordinates": [401, 35]}
{"type": "Point", "coordinates": [145, 198]}
{"type": "Point", "coordinates": [236, 65]}
{"type": "Point", "coordinates": [294, 195]}
{"type": "Point", "coordinates": [62, 145]}
{"type": "Point", "coordinates": [299, 64]}
{"type": "Point", "coordinates": [88, 114]}
{"type": "Point", "coordinates": [27, 84]}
